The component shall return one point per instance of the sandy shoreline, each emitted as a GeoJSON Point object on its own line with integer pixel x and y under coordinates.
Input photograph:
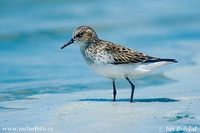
{"type": "Point", "coordinates": [169, 108]}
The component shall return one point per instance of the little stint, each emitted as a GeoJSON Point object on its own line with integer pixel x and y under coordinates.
{"type": "Point", "coordinates": [114, 61]}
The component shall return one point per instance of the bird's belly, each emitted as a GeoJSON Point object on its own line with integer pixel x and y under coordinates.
{"type": "Point", "coordinates": [125, 70]}
{"type": "Point", "coordinates": [118, 71]}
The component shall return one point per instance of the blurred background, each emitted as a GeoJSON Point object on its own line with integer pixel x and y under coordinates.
{"type": "Point", "coordinates": [32, 32]}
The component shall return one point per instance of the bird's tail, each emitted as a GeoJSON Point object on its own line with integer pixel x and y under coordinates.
{"type": "Point", "coordinates": [159, 60]}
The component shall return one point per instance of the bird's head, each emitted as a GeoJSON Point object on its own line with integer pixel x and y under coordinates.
{"type": "Point", "coordinates": [83, 34]}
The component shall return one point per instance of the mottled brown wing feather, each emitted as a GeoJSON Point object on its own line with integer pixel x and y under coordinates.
{"type": "Point", "coordinates": [123, 55]}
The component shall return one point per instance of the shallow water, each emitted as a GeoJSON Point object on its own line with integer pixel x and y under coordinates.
{"type": "Point", "coordinates": [32, 33]}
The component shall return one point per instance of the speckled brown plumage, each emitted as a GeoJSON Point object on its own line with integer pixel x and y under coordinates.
{"type": "Point", "coordinates": [117, 54]}
{"type": "Point", "coordinates": [100, 51]}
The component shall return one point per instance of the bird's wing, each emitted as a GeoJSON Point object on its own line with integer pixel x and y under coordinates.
{"type": "Point", "coordinates": [123, 55]}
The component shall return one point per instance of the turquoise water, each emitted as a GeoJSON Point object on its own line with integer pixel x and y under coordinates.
{"type": "Point", "coordinates": [32, 32]}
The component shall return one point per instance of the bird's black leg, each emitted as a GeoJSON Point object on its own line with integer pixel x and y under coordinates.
{"type": "Point", "coordinates": [114, 91]}
{"type": "Point", "coordinates": [132, 89]}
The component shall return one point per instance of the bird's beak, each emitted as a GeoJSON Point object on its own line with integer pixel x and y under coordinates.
{"type": "Point", "coordinates": [66, 44]}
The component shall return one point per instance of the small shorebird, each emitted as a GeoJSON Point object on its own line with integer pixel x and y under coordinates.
{"type": "Point", "coordinates": [114, 61]}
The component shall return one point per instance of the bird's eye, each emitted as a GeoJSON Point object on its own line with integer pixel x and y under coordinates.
{"type": "Point", "coordinates": [80, 34]}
